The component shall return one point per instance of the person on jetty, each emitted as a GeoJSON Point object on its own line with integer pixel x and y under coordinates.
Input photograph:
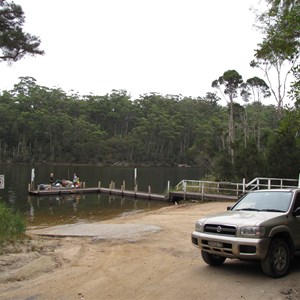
{"type": "Point", "coordinates": [51, 179]}
{"type": "Point", "coordinates": [57, 182]}
{"type": "Point", "coordinates": [76, 181]}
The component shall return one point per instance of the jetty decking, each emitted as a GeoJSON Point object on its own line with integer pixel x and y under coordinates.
{"type": "Point", "coordinates": [185, 190]}
{"type": "Point", "coordinates": [172, 196]}
{"type": "Point", "coordinates": [111, 191]}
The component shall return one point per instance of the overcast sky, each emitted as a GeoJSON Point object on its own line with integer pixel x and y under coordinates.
{"type": "Point", "coordinates": [142, 46]}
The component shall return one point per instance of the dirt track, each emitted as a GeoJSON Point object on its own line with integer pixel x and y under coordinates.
{"type": "Point", "coordinates": [159, 264]}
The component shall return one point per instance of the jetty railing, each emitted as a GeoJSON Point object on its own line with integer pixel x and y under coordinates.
{"type": "Point", "coordinates": [234, 188]}
{"type": "Point", "coordinates": [210, 187]}
{"type": "Point", "coordinates": [271, 183]}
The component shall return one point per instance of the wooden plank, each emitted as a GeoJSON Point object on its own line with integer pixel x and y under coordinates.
{"type": "Point", "coordinates": [56, 191]}
{"type": "Point", "coordinates": [134, 194]}
{"type": "Point", "coordinates": [175, 196]}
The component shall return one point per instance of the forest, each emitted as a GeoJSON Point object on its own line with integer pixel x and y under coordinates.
{"type": "Point", "coordinates": [243, 139]}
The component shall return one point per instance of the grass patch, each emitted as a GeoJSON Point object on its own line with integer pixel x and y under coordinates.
{"type": "Point", "coordinates": [12, 225]}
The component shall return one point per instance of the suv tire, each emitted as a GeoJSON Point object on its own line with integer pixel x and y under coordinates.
{"type": "Point", "coordinates": [277, 261]}
{"type": "Point", "coordinates": [212, 259]}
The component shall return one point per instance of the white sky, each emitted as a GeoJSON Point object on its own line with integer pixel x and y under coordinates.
{"type": "Point", "coordinates": [142, 46]}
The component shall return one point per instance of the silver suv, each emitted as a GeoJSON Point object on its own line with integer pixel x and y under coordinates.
{"type": "Point", "coordinates": [263, 225]}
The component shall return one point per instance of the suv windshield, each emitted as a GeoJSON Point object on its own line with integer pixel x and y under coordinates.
{"type": "Point", "coordinates": [278, 201]}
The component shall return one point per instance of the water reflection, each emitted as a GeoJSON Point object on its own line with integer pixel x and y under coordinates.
{"type": "Point", "coordinates": [67, 209]}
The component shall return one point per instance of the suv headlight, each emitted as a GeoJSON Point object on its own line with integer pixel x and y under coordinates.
{"type": "Point", "coordinates": [253, 231]}
{"type": "Point", "coordinates": [199, 226]}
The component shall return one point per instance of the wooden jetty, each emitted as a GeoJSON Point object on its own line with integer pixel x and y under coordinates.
{"type": "Point", "coordinates": [185, 190]}
{"type": "Point", "coordinates": [173, 196]}
{"type": "Point", "coordinates": [110, 191]}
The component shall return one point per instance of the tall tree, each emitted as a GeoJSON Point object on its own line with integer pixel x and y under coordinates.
{"type": "Point", "coordinates": [14, 42]}
{"type": "Point", "coordinates": [229, 84]}
{"type": "Point", "coordinates": [255, 88]}
{"type": "Point", "coordinates": [279, 49]}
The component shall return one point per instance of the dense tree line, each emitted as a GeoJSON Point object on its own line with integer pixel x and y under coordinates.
{"type": "Point", "coordinates": [40, 124]}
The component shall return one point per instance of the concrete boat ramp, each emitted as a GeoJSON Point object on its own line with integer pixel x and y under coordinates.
{"type": "Point", "coordinates": [99, 231]}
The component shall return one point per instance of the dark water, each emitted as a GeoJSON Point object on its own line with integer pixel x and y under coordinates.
{"type": "Point", "coordinates": [53, 210]}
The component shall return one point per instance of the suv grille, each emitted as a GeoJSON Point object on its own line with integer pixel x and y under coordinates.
{"type": "Point", "coordinates": [220, 229]}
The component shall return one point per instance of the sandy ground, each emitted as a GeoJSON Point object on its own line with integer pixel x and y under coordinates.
{"type": "Point", "coordinates": [149, 257]}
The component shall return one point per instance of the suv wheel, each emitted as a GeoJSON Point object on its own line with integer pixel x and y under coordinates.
{"type": "Point", "coordinates": [277, 262]}
{"type": "Point", "coordinates": [212, 259]}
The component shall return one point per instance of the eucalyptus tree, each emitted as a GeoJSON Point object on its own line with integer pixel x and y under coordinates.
{"type": "Point", "coordinates": [120, 116]}
{"type": "Point", "coordinates": [14, 42]}
{"type": "Point", "coordinates": [279, 49]}
{"type": "Point", "coordinates": [158, 126]}
{"type": "Point", "coordinates": [98, 108]}
{"type": "Point", "coordinates": [229, 84]}
{"type": "Point", "coordinates": [295, 86]}
{"type": "Point", "coordinates": [8, 115]}
{"type": "Point", "coordinates": [138, 139]}
{"type": "Point", "coordinates": [189, 119]}
{"type": "Point", "coordinates": [201, 123]}
{"type": "Point", "coordinates": [255, 89]}
{"type": "Point", "coordinates": [114, 112]}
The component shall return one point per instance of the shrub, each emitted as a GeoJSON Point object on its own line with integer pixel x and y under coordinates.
{"type": "Point", "coordinates": [12, 225]}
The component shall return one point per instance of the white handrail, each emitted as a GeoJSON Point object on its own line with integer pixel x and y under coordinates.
{"type": "Point", "coordinates": [236, 188]}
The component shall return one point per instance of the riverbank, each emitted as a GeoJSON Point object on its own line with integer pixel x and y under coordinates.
{"type": "Point", "coordinates": [143, 256]}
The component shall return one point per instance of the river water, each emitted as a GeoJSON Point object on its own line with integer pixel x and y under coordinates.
{"type": "Point", "coordinates": [68, 209]}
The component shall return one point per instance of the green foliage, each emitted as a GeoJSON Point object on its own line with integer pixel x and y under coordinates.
{"type": "Point", "coordinates": [295, 86]}
{"type": "Point", "coordinates": [47, 125]}
{"type": "Point", "coordinates": [284, 147]}
{"type": "Point", "coordinates": [223, 167]}
{"type": "Point", "coordinates": [14, 42]}
{"type": "Point", "coordinates": [12, 225]}
{"type": "Point", "coordinates": [248, 163]}
{"type": "Point", "coordinates": [256, 88]}
{"type": "Point", "coordinates": [279, 49]}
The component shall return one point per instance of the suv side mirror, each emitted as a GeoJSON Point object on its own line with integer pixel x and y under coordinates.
{"type": "Point", "coordinates": [229, 207]}
{"type": "Point", "coordinates": [296, 212]}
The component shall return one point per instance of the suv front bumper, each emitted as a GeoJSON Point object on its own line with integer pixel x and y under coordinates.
{"type": "Point", "coordinates": [231, 246]}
